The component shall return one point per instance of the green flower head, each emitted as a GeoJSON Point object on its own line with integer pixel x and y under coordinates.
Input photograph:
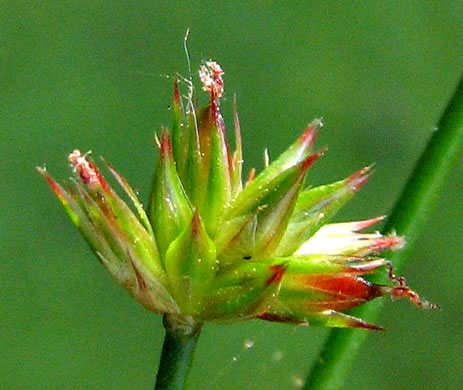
{"type": "Point", "coordinates": [212, 248]}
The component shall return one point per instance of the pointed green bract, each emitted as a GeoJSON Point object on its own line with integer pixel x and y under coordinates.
{"type": "Point", "coordinates": [315, 207]}
{"type": "Point", "coordinates": [327, 318]}
{"type": "Point", "coordinates": [334, 319]}
{"type": "Point", "coordinates": [120, 242]}
{"type": "Point", "coordinates": [133, 197]}
{"type": "Point", "coordinates": [326, 264]}
{"type": "Point", "coordinates": [179, 146]}
{"type": "Point", "coordinates": [244, 292]}
{"type": "Point", "coordinates": [195, 176]}
{"type": "Point", "coordinates": [280, 203]}
{"type": "Point", "coordinates": [259, 187]}
{"type": "Point", "coordinates": [272, 206]}
{"type": "Point", "coordinates": [240, 231]}
{"type": "Point", "coordinates": [236, 238]}
{"type": "Point", "coordinates": [122, 226]}
{"type": "Point", "coordinates": [191, 265]}
{"type": "Point", "coordinates": [170, 210]}
{"type": "Point", "coordinates": [219, 181]}
{"type": "Point", "coordinates": [237, 165]}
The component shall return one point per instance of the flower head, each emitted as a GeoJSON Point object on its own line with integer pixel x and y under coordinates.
{"type": "Point", "coordinates": [211, 248]}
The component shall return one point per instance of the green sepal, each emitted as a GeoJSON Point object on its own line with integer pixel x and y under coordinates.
{"type": "Point", "coordinates": [195, 176]}
{"type": "Point", "coordinates": [311, 264]}
{"type": "Point", "coordinates": [274, 219]}
{"type": "Point", "coordinates": [170, 210]}
{"type": "Point", "coordinates": [76, 210]}
{"type": "Point", "coordinates": [133, 197]}
{"type": "Point", "coordinates": [191, 265]}
{"type": "Point", "coordinates": [335, 319]}
{"type": "Point", "coordinates": [268, 211]}
{"type": "Point", "coordinates": [316, 206]}
{"type": "Point", "coordinates": [125, 234]}
{"type": "Point", "coordinates": [327, 318]}
{"type": "Point", "coordinates": [237, 162]}
{"type": "Point", "coordinates": [244, 291]}
{"type": "Point", "coordinates": [125, 225]}
{"type": "Point", "coordinates": [108, 231]}
{"type": "Point", "coordinates": [235, 238]}
{"type": "Point", "coordinates": [128, 256]}
{"type": "Point", "coordinates": [296, 153]}
{"type": "Point", "coordinates": [273, 206]}
{"type": "Point", "coordinates": [217, 156]}
{"type": "Point", "coordinates": [328, 264]}
{"type": "Point", "coordinates": [114, 234]}
{"type": "Point", "coordinates": [179, 132]}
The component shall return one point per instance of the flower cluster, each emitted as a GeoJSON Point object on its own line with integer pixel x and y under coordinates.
{"type": "Point", "coordinates": [210, 248]}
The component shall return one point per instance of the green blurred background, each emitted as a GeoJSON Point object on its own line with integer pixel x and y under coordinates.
{"type": "Point", "coordinates": [92, 75]}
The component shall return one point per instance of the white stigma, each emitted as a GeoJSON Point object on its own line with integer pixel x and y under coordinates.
{"type": "Point", "coordinates": [211, 77]}
{"type": "Point", "coordinates": [83, 167]}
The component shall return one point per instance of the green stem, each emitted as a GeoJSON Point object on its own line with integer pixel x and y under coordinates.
{"type": "Point", "coordinates": [177, 353]}
{"type": "Point", "coordinates": [407, 218]}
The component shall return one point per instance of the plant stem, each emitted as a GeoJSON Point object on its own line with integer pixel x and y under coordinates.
{"type": "Point", "coordinates": [177, 353]}
{"type": "Point", "coordinates": [407, 218]}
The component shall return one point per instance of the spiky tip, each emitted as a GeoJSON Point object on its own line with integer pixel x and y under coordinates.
{"type": "Point", "coordinates": [309, 136]}
{"type": "Point", "coordinates": [311, 159]}
{"type": "Point", "coordinates": [358, 179]}
{"type": "Point", "coordinates": [166, 146]}
{"type": "Point", "coordinates": [52, 183]}
{"type": "Point", "coordinates": [176, 93]}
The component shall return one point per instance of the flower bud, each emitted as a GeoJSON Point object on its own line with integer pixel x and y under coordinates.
{"type": "Point", "coordinates": [211, 248]}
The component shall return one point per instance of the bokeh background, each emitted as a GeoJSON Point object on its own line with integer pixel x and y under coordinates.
{"type": "Point", "coordinates": [94, 75]}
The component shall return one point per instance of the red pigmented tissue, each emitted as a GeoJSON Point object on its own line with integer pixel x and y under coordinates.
{"type": "Point", "coordinates": [86, 170]}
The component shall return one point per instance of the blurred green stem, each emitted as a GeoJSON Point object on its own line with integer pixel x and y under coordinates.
{"type": "Point", "coordinates": [177, 354]}
{"type": "Point", "coordinates": [407, 218]}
